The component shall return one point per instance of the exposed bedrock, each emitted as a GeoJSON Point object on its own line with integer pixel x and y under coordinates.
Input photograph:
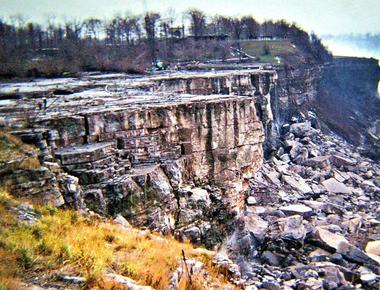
{"type": "Point", "coordinates": [296, 88]}
{"type": "Point", "coordinates": [172, 153]}
{"type": "Point", "coordinates": [202, 142]}
{"type": "Point", "coordinates": [175, 153]}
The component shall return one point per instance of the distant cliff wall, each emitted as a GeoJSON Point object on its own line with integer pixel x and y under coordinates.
{"type": "Point", "coordinates": [348, 101]}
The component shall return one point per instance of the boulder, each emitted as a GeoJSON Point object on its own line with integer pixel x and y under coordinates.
{"type": "Point", "coordinates": [298, 184]}
{"type": "Point", "coordinates": [296, 149]}
{"type": "Point", "coordinates": [353, 253]}
{"type": "Point", "coordinates": [369, 278]}
{"type": "Point", "coordinates": [221, 260]}
{"type": "Point", "coordinates": [292, 228]}
{"type": "Point", "coordinates": [316, 205]}
{"type": "Point", "coordinates": [329, 240]}
{"type": "Point", "coordinates": [341, 176]}
{"type": "Point", "coordinates": [334, 186]}
{"type": "Point", "coordinates": [302, 156]}
{"type": "Point", "coordinates": [273, 177]}
{"type": "Point", "coordinates": [299, 209]}
{"type": "Point", "coordinates": [251, 200]}
{"type": "Point", "coordinates": [256, 226]}
{"type": "Point", "coordinates": [301, 129]}
{"type": "Point", "coordinates": [373, 247]}
{"type": "Point", "coordinates": [126, 282]}
{"type": "Point", "coordinates": [339, 161]}
{"type": "Point", "coordinates": [120, 220]}
{"type": "Point", "coordinates": [319, 162]}
{"type": "Point", "coordinates": [272, 258]}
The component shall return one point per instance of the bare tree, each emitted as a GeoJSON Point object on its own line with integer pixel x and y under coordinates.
{"type": "Point", "coordinates": [150, 22]}
{"type": "Point", "coordinates": [110, 29]}
{"type": "Point", "coordinates": [73, 29]}
{"type": "Point", "coordinates": [31, 35]}
{"type": "Point", "coordinates": [18, 21]}
{"type": "Point", "coordinates": [131, 26]}
{"type": "Point", "coordinates": [93, 26]}
{"type": "Point", "coordinates": [198, 22]}
{"type": "Point", "coordinates": [251, 28]}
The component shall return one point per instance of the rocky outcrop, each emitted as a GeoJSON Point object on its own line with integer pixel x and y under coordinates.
{"type": "Point", "coordinates": [175, 162]}
{"type": "Point", "coordinates": [184, 154]}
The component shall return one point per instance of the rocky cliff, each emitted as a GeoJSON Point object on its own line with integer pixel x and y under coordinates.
{"type": "Point", "coordinates": [311, 219]}
{"type": "Point", "coordinates": [184, 154]}
{"type": "Point", "coordinates": [348, 101]}
{"type": "Point", "coordinates": [173, 153]}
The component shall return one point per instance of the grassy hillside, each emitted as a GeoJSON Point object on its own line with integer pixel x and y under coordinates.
{"type": "Point", "coordinates": [64, 242]}
{"type": "Point", "coordinates": [268, 50]}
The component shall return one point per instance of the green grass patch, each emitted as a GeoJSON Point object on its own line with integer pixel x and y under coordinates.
{"type": "Point", "coordinates": [267, 50]}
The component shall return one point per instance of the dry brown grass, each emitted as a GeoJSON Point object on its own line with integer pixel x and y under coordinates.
{"type": "Point", "coordinates": [9, 271]}
{"type": "Point", "coordinates": [64, 241]}
{"type": "Point", "coordinates": [196, 283]}
{"type": "Point", "coordinates": [30, 163]}
{"type": "Point", "coordinates": [12, 148]}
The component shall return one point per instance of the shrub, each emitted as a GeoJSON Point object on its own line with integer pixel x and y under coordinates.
{"type": "Point", "coordinates": [266, 49]}
{"type": "Point", "coordinates": [24, 258]}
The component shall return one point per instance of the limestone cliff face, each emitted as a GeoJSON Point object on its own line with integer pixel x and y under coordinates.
{"type": "Point", "coordinates": [175, 152]}
{"type": "Point", "coordinates": [241, 83]}
{"type": "Point", "coordinates": [293, 92]}
{"type": "Point", "coordinates": [209, 141]}
{"type": "Point", "coordinates": [343, 94]}
{"type": "Point", "coordinates": [175, 155]}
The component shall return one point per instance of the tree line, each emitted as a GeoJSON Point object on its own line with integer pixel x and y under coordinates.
{"type": "Point", "coordinates": [132, 42]}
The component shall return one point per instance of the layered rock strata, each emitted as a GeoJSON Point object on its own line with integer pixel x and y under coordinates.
{"type": "Point", "coordinates": [178, 160]}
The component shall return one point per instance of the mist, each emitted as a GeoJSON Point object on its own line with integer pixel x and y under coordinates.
{"type": "Point", "coordinates": [353, 45]}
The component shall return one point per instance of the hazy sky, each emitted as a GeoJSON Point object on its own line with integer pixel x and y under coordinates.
{"type": "Point", "coordinates": [321, 16]}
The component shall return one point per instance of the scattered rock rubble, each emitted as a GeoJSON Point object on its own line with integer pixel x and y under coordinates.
{"type": "Point", "coordinates": [312, 217]}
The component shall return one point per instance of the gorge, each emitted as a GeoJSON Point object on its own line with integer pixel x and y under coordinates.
{"type": "Point", "coordinates": [186, 153]}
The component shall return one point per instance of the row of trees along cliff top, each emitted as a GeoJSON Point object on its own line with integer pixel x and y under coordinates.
{"type": "Point", "coordinates": [130, 43]}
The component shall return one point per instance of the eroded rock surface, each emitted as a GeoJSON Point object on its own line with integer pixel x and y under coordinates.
{"type": "Point", "coordinates": [173, 153]}
{"type": "Point", "coordinates": [184, 154]}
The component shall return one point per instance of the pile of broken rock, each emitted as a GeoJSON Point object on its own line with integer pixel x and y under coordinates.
{"type": "Point", "coordinates": [312, 217]}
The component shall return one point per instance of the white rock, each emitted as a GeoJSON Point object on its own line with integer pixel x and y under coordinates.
{"type": "Point", "coordinates": [297, 184]}
{"type": "Point", "coordinates": [373, 247]}
{"type": "Point", "coordinates": [199, 194]}
{"type": "Point", "coordinates": [334, 186]}
{"type": "Point", "coordinates": [127, 282]}
{"type": "Point", "coordinates": [120, 220]}
{"type": "Point", "coordinates": [368, 278]}
{"type": "Point", "coordinates": [330, 239]}
{"type": "Point", "coordinates": [251, 200]}
{"type": "Point", "coordinates": [300, 209]}
{"type": "Point", "coordinates": [257, 226]}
